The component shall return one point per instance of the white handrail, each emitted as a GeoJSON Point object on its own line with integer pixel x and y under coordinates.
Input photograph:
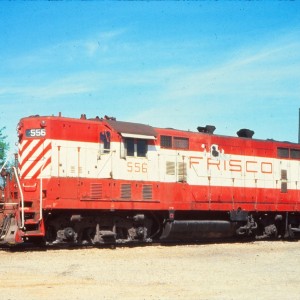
{"type": "Point", "coordinates": [9, 156]}
{"type": "Point", "coordinates": [41, 191]}
{"type": "Point", "coordinates": [22, 198]}
{"type": "Point", "coordinates": [8, 204]}
{"type": "Point", "coordinates": [3, 165]}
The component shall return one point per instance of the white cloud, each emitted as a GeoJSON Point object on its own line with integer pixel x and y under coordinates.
{"type": "Point", "coordinates": [50, 90]}
{"type": "Point", "coordinates": [260, 69]}
{"type": "Point", "coordinates": [67, 51]}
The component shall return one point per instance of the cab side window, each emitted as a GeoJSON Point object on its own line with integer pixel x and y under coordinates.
{"type": "Point", "coordinates": [135, 147]}
{"type": "Point", "coordinates": [105, 140]}
{"type": "Point", "coordinates": [141, 148]}
{"type": "Point", "coordinates": [129, 147]}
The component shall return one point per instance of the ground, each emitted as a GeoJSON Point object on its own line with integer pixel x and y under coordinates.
{"type": "Point", "coordinates": [257, 270]}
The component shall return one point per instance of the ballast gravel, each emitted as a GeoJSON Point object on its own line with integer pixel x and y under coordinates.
{"type": "Point", "coordinates": [255, 270]}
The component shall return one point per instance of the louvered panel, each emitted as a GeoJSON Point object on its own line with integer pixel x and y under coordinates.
{"type": "Point", "coordinates": [125, 191]}
{"type": "Point", "coordinates": [283, 174]}
{"type": "Point", "coordinates": [96, 191]}
{"type": "Point", "coordinates": [170, 168]}
{"type": "Point", "coordinates": [147, 192]}
{"type": "Point", "coordinates": [181, 170]}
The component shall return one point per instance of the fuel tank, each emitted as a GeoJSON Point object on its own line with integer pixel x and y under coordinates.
{"type": "Point", "coordinates": [187, 230]}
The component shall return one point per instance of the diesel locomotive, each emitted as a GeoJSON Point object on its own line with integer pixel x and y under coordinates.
{"type": "Point", "coordinates": [83, 181]}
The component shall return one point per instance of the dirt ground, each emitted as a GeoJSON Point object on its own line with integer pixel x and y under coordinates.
{"type": "Point", "coordinates": [259, 270]}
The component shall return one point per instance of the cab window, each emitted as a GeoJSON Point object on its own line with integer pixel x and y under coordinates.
{"type": "Point", "coordinates": [129, 147]}
{"type": "Point", "coordinates": [105, 140]}
{"type": "Point", "coordinates": [141, 148]}
{"type": "Point", "coordinates": [136, 147]}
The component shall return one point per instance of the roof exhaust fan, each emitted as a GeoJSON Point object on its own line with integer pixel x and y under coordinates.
{"type": "Point", "coordinates": [207, 129]}
{"type": "Point", "coordinates": [246, 133]}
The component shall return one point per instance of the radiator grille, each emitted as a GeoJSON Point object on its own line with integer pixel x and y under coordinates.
{"type": "Point", "coordinates": [125, 191]}
{"type": "Point", "coordinates": [96, 191]}
{"type": "Point", "coordinates": [147, 192]}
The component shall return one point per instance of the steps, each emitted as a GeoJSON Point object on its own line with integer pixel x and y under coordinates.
{"type": "Point", "coordinates": [32, 222]}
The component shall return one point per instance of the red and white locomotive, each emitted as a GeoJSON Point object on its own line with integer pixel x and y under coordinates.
{"type": "Point", "coordinates": [94, 181]}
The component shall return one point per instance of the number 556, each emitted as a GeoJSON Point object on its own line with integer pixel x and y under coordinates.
{"type": "Point", "coordinates": [37, 132]}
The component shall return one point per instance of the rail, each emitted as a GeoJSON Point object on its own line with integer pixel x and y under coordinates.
{"type": "Point", "coordinates": [22, 198]}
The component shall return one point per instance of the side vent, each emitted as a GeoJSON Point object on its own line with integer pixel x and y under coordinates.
{"type": "Point", "coordinates": [170, 168]}
{"type": "Point", "coordinates": [125, 191]}
{"type": "Point", "coordinates": [284, 181]}
{"type": "Point", "coordinates": [96, 191]}
{"type": "Point", "coordinates": [147, 192]}
{"type": "Point", "coordinates": [74, 170]}
{"type": "Point", "coordinates": [181, 171]}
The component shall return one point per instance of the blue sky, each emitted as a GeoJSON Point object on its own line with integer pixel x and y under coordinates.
{"type": "Point", "coordinates": [167, 64]}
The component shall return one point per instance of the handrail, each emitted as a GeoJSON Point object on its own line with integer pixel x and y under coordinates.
{"type": "Point", "coordinates": [4, 165]}
{"type": "Point", "coordinates": [9, 156]}
{"type": "Point", "coordinates": [8, 204]}
{"type": "Point", "coordinates": [41, 191]}
{"type": "Point", "coordinates": [22, 198]}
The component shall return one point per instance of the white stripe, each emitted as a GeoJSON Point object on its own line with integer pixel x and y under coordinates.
{"type": "Point", "coordinates": [29, 148]}
{"type": "Point", "coordinates": [138, 136]}
{"type": "Point", "coordinates": [32, 159]}
{"type": "Point", "coordinates": [21, 145]}
{"type": "Point", "coordinates": [38, 166]}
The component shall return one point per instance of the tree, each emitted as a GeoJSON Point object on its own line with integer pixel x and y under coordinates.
{"type": "Point", "coordinates": [4, 147]}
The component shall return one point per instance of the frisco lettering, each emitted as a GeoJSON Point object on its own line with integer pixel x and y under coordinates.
{"type": "Point", "coordinates": [232, 165]}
